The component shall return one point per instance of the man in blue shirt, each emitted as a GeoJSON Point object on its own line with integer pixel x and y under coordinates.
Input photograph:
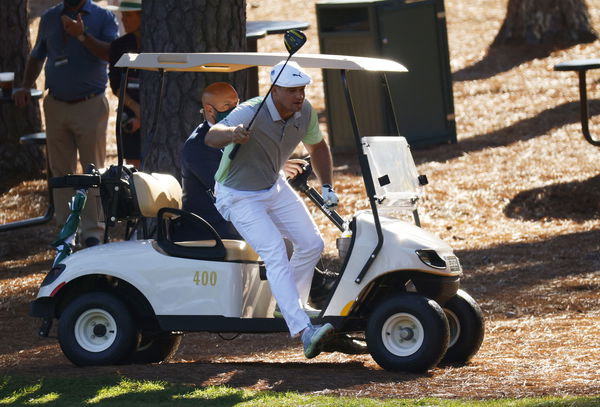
{"type": "Point", "coordinates": [199, 163]}
{"type": "Point", "coordinates": [73, 41]}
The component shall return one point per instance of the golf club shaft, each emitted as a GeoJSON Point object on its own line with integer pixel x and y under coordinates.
{"type": "Point", "coordinates": [233, 152]}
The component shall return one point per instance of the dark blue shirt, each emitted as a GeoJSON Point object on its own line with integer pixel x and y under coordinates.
{"type": "Point", "coordinates": [73, 72]}
{"type": "Point", "coordinates": [199, 164]}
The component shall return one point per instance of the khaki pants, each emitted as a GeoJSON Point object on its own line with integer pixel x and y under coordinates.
{"type": "Point", "coordinates": [73, 127]}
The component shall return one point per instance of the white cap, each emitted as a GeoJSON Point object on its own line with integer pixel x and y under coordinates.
{"type": "Point", "coordinates": [293, 75]}
{"type": "Point", "coordinates": [131, 5]}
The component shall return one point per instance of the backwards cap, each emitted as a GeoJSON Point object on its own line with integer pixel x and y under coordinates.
{"type": "Point", "coordinates": [293, 75]}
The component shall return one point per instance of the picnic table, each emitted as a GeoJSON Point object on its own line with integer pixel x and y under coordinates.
{"type": "Point", "coordinates": [581, 66]}
{"type": "Point", "coordinates": [32, 139]}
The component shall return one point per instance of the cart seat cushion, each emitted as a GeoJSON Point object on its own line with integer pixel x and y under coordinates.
{"type": "Point", "coordinates": [236, 250]}
{"type": "Point", "coordinates": [155, 191]}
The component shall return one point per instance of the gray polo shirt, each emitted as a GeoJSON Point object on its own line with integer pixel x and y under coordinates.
{"type": "Point", "coordinates": [272, 141]}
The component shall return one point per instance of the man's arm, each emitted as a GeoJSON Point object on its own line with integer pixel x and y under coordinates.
{"type": "Point", "coordinates": [33, 67]}
{"type": "Point", "coordinates": [220, 135]}
{"type": "Point", "coordinates": [320, 157]}
{"type": "Point", "coordinates": [322, 163]}
{"type": "Point", "coordinates": [76, 28]}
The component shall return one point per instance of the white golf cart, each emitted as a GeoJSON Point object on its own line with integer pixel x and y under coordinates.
{"type": "Point", "coordinates": [131, 301]}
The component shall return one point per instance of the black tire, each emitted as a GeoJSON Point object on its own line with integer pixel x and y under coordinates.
{"type": "Point", "coordinates": [467, 328]}
{"type": "Point", "coordinates": [155, 348]}
{"type": "Point", "coordinates": [96, 329]}
{"type": "Point", "coordinates": [425, 329]}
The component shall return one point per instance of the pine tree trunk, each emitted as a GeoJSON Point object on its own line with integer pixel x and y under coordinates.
{"type": "Point", "coordinates": [184, 26]}
{"type": "Point", "coordinates": [546, 22]}
{"type": "Point", "coordinates": [14, 122]}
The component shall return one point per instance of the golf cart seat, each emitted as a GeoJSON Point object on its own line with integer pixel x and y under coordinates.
{"type": "Point", "coordinates": [155, 191]}
{"type": "Point", "coordinates": [160, 195]}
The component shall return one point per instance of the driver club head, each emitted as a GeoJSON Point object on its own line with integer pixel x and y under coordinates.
{"type": "Point", "coordinates": [294, 40]}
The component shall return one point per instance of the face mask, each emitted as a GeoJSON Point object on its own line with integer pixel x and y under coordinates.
{"type": "Point", "coordinates": [222, 115]}
{"type": "Point", "coordinates": [72, 3]}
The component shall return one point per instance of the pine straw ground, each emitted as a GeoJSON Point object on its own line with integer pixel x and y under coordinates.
{"type": "Point", "coordinates": [517, 197]}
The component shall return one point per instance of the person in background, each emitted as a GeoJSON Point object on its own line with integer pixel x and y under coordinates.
{"type": "Point", "coordinates": [73, 41]}
{"type": "Point", "coordinates": [199, 163]}
{"type": "Point", "coordinates": [131, 16]}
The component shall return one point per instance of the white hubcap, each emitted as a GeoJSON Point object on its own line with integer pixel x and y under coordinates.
{"type": "Point", "coordinates": [402, 334]}
{"type": "Point", "coordinates": [95, 330]}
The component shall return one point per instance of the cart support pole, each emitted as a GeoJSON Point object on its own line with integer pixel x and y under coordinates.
{"type": "Point", "coordinates": [121, 106]}
{"type": "Point", "coordinates": [153, 129]}
{"type": "Point", "coordinates": [364, 165]}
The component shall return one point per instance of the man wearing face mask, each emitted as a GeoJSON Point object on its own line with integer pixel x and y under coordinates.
{"type": "Point", "coordinates": [73, 42]}
{"type": "Point", "coordinates": [199, 163]}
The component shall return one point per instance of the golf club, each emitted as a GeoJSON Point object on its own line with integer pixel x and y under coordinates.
{"type": "Point", "coordinates": [293, 40]}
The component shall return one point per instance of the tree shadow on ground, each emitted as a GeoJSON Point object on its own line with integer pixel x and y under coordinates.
{"type": "Point", "coordinates": [522, 130]}
{"type": "Point", "coordinates": [577, 200]}
{"type": "Point", "coordinates": [503, 58]}
{"type": "Point", "coordinates": [278, 376]}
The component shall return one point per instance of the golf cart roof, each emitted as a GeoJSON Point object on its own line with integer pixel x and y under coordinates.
{"type": "Point", "coordinates": [235, 61]}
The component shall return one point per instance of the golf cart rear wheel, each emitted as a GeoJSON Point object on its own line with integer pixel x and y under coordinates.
{"type": "Point", "coordinates": [407, 333]}
{"type": "Point", "coordinates": [466, 328]}
{"type": "Point", "coordinates": [155, 348]}
{"type": "Point", "coordinates": [96, 329]}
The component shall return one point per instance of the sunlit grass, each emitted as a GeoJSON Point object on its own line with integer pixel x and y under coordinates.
{"type": "Point", "coordinates": [44, 399]}
{"type": "Point", "coordinates": [19, 393]}
{"type": "Point", "coordinates": [126, 386]}
{"type": "Point", "coordinates": [121, 391]}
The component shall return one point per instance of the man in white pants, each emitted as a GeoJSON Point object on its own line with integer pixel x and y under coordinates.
{"type": "Point", "coordinates": [253, 194]}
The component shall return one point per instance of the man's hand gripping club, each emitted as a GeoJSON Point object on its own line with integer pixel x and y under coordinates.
{"type": "Point", "coordinates": [240, 135]}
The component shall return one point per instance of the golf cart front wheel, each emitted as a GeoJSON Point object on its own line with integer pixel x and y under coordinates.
{"type": "Point", "coordinates": [407, 333]}
{"type": "Point", "coordinates": [96, 329]}
{"type": "Point", "coordinates": [466, 328]}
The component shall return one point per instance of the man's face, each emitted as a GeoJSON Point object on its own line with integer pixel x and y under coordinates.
{"type": "Point", "coordinates": [288, 100]}
{"type": "Point", "coordinates": [74, 4]}
{"type": "Point", "coordinates": [219, 103]}
{"type": "Point", "coordinates": [131, 20]}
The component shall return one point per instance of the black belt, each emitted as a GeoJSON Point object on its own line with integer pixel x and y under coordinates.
{"type": "Point", "coordinates": [83, 99]}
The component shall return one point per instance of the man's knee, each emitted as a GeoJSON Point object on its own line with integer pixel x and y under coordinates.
{"type": "Point", "coordinates": [313, 246]}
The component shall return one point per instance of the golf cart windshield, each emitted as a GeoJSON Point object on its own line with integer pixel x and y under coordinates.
{"type": "Point", "coordinates": [393, 172]}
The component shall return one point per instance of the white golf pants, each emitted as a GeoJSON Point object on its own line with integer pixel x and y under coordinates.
{"type": "Point", "coordinates": [263, 218]}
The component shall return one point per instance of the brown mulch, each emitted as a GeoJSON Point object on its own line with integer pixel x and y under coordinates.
{"type": "Point", "coordinates": [517, 197]}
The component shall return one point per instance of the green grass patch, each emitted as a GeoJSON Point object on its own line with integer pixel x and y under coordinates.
{"type": "Point", "coordinates": [120, 391]}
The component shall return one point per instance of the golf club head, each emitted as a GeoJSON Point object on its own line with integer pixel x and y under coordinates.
{"type": "Point", "coordinates": [294, 40]}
